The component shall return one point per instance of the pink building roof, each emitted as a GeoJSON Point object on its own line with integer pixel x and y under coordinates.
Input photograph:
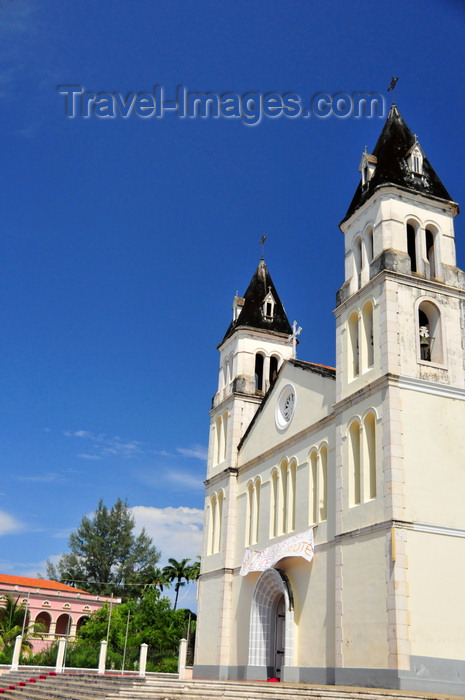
{"type": "Point", "coordinates": [37, 583]}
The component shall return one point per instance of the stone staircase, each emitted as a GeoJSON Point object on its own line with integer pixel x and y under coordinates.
{"type": "Point", "coordinates": [26, 685]}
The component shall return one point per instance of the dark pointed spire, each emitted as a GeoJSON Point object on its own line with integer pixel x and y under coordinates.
{"type": "Point", "coordinates": [252, 314]}
{"type": "Point", "coordinates": [391, 153]}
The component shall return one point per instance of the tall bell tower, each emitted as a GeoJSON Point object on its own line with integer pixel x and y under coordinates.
{"type": "Point", "coordinates": [399, 229]}
{"type": "Point", "coordinates": [400, 349]}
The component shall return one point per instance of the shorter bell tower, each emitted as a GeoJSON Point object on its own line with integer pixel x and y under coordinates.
{"type": "Point", "coordinates": [257, 342]}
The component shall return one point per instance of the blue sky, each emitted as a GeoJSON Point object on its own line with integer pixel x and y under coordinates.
{"type": "Point", "coordinates": [123, 241]}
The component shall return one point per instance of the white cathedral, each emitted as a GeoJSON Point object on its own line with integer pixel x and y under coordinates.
{"type": "Point", "coordinates": [334, 548]}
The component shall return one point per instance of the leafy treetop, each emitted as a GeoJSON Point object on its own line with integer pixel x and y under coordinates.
{"type": "Point", "coordinates": [106, 557]}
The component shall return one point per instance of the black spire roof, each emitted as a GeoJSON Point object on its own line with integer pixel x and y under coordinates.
{"type": "Point", "coordinates": [391, 153]}
{"type": "Point", "coordinates": [251, 315]}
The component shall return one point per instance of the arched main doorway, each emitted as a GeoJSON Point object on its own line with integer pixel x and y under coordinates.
{"type": "Point", "coordinates": [271, 626]}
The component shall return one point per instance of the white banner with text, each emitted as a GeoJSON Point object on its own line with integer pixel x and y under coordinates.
{"type": "Point", "coordinates": [300, 545]}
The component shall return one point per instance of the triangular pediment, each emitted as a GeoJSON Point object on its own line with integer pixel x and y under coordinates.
{"type": "Point", "coordinates": [303, 394]}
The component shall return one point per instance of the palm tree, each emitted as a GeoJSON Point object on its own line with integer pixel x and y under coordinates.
{"type": "Point", "coordinates": [14, 621]}
{"type": "Point", "coordinates": [156, 578]}
{"type": "Point", "coordinates": [195, 570]}
{"type": "Point", "coordinates": [177, 571]}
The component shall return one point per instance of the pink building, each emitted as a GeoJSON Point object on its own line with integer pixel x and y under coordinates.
{"type": "Point", "coordinates": [60, 608]}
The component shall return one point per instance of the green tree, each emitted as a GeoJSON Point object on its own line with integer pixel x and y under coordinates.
{"type": "Point", "coordinates": [151, 621]}
{"type": "Point", "coordinates": [12, 623]}
{"type": "Point", "coordinates": [179, 571]}
{"type": "Point", "coordinates": [194, 570]}
{"type": "Point", "coordinates": [156, 578]}
{"type": "Point", "coordinates": [106, 557]}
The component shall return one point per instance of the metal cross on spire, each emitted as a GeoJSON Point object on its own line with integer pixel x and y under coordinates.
{"type": "Point", "coordinates": [262, 243]}
{"type": "Point", "coordinates": [392, 85]}
{"type": "Point", "coordinates": [295, 332]}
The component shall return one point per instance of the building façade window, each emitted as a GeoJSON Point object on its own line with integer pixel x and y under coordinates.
{"type": "Point", "coordinates": [430, 333]}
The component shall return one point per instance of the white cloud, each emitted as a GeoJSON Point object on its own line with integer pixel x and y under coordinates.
{"type": "Point", "coordinates": [31, 568]}
{"type": "Point", "coordinates": [16, 17]}
{"type": "Point", "coordinates": [174, 479]}
{"type": "Point", "coordinates": [102, 446]}
{"type": "Point", "coordinates": [8, 523]}
{"type": "Point", "coordinates": [61, 534]}
{"type": "Point", "coordinates": [81, 433]}
{"type": "Point", "coordinates": [48, 478]}
{"type": "Point", "coordinates": [17, 26]}
{"type": "Point", "coordinates": [197, 451]}
{"type": "Point", "coordinates": [186, 480]}
{"type": "Point", "coordinates": [176, 532]}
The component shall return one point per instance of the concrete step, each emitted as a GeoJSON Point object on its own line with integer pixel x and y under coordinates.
{"type": "Point", "coordinates": [80, 686]}
{"type": "Point", "coordinates": [66, 687]}
{"type": "Point", "coordinates": [244, 690]}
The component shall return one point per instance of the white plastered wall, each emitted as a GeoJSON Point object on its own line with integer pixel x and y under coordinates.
{"type": "Point", "coordinates": [434, 458]}
{"type": "Point", "coordinates": [364, 631]}
{"type": "Point", "coordinates": [436, 571]}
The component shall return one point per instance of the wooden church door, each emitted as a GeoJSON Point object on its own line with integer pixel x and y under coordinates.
{"type": "Point", "coordinates": [280, 636]}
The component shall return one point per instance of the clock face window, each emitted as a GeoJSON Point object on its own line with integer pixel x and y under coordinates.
{"type": "Point", "coordinates": [285, 407]}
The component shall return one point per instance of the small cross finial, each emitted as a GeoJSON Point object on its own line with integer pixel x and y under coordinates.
{"type": "Point", "coordinates": [392, 85]}
{"type": "Point", "coordinates": [295, 332]}
{"type": "Point", "coordinates": [262, 243]}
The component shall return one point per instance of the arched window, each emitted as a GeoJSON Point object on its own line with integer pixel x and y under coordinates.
{"type": "Point", "coordinates": [369, 246]}
{"type": "Point", "coordinates": [268, 306]}
{"type": "Point", "coordinates": [354, 464]}
{"type": "Point", "coordinates": [314, 486]}
{"type": "Point", "coordinates": [82, 621]}
{"type": "Point", "coordinates": [369, 458]}
{"type": "Point", "coordinates": [430, 333]}
{"type": "Point", "coordinates": [250, 509]}
{"type": "Point", "coordinates": [63, 625]}
{"type": "Point", "coordinates": [283, 496]}
{"type": "Point", "coordinates": [224, 441]}
{"type": "Point", "coordinates": [411, 247]}
{"type": "Point", "coordinates": [358, 260]}
{"type": "Point", "coordinates": [212, 528]}
{"type": "Point", "coordinates": [259, 361]}
{"type": "Point", "coordinates": [215, 523]}
{"type": "Point", "coordinates": [231, 366]}
{"type": "Point", "coordinates": [218, 440]}
{"type": "Point", "coordinates": [253, 508]}
{"type": "Point", "coordinates": [274, 361]}
{"type": "Point", "coordinates": [368, 347]}
{"type": "Point", "coordinates": [318, 484]}
{"type": "Point", "coordinates": [323, 484]}
{"type": "Point", "coordinates": [429, 242]}
{"type": "Point", "coordinates": [258, 485]}
{"type": "Point", "coordinates": [354, 363]}
{"type": "Point", "coordinates": [416, 159]}
{"type": "Point", "coordinates": [291, 495]}
{"type": "Point", "coordinates": [45, 619]}
{"type": "Point", "coordinates": [219, 521]}
{"type": "Point", "coordinates": [362, 459]}
{"type": "Point", "coordinates": [274, 519]}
